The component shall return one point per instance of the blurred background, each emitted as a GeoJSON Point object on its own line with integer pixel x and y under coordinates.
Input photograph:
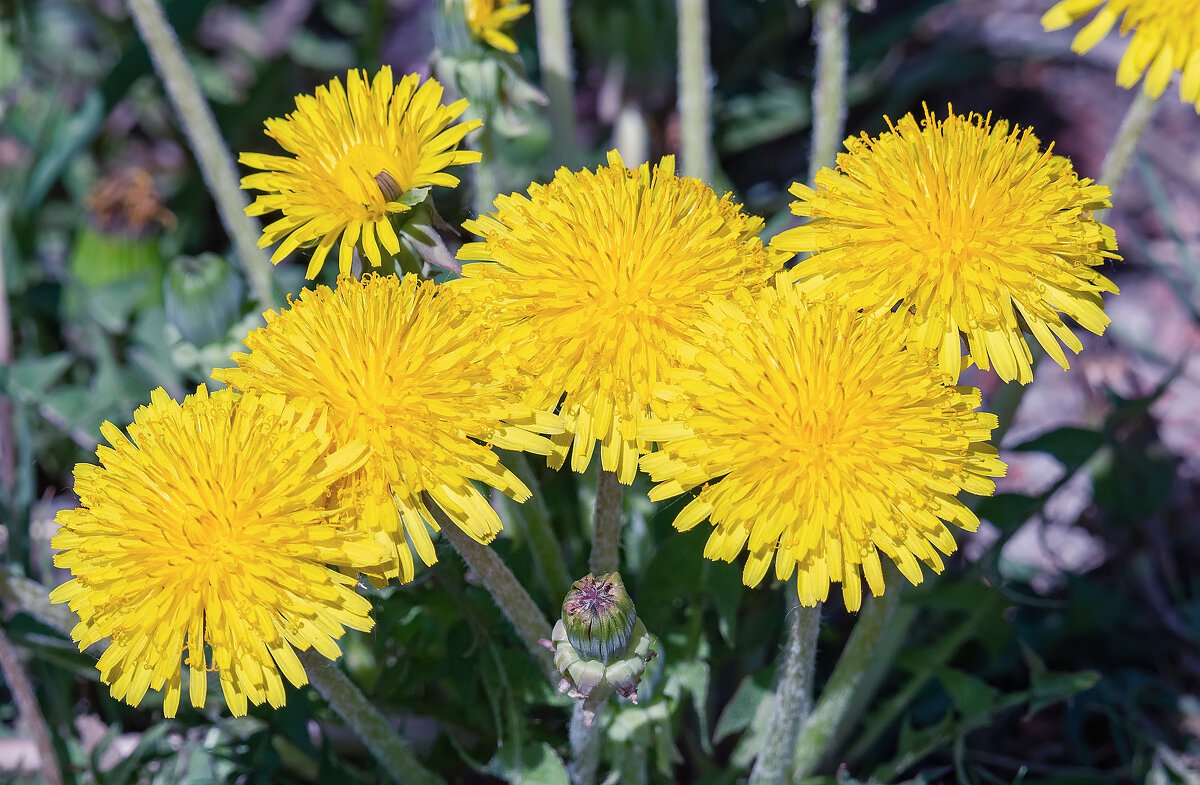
{"type": "Point", "coordinates": [1062, 647]}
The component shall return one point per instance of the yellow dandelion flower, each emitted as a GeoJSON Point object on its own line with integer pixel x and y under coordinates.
{"type": "Point", "coordinates": [968, 226]}
{"type": "Point", "coordinates": [489, 18]}
{"type": "Point", "coordinates": [820, 441]}
{"type": "Point", "coordinates": [595, 279]}
{"type": "Point", "coordinates": [203, 529]}
{"type": "Point", "coordinates": [363, 153]}
{"type": "Point", "coordinates": [1166, 39]}
{"type": "Point", "coordinates": [401, 367]}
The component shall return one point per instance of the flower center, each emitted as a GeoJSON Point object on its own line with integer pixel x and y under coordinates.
{"type": "Point", "coordinates": [211, 538]}
{"type": "Point", "coordinates": [371, 176]}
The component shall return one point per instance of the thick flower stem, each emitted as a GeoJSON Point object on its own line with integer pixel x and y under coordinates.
{"type": "Point", "coordinates": [365, 720]}
{"type": "Point", "coordinates": [606, 533]}
{"type": "Point", "coordinates": [829, 89]}
{"type": "Point", "coordinates": [840, 692]}
{"type": "Point", "coordinates": [585, 745]}
{"type": "Point", "coordinates": [695, 90]}
{"type": "Point", "coordinates": [27, 704]}
{"type": "Point", "coordinates": [554, 51]}
{"type": "Point", "coordinates": [216, 164]}
{"type": "Point", "coordinates": [1120, 155]}
{"type": "Point", "coordinates": [793, 694]}
{"type": "Point", "coordinates": [506, 590]}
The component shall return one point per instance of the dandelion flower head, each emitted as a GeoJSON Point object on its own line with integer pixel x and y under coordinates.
{"type": "Point", "coordinates": [1166, 39]}
{"type": "Point", "coordinates": [819, 441]}
{"type": "Point", "coordinates": [488, 19]}
{"type": "Point", "coordinates": [968, 226]}
{"type": "Point", "coordinates": [203, 529]}
{"type": "Point", "coordinates": [596, 279]}
{"type": "Point", "coordinates": [359, 154]}
{"type": "Point", "coordinates": [403, 367]}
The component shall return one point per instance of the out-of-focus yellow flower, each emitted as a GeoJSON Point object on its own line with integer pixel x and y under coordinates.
{"type": "Point", "coordinates": [406, 368]}
{"type": "Point", "coordinates": [970, 228]}
{"type": "Point", "coordinates": [205, 528]}
{"type": "Point", "coordinates": [362, 153]}
{"type": "Point", "coordinates": [488, 20]}
{"type": "Point", "coordinates": [1166, 39]}
{"type": "Point", "coordinates": [819, 441]}
{"type": "Point", "coordinates": [596, 280]}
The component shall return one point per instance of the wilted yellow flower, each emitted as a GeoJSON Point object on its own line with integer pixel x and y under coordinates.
{"type": "Point", "coordinates": [204, 528]}
{"type": "Point", "coordinates": [363, 153]}
{"type": "Point", "coordinates": [405, 368]}
{"type": "Point", "coordinates": [969, 227]}
{"type": "Point", "coordinates": [595, 279]}
{"type": "Point", "coordinates": [819, 440]}
{"type": "Point", "coordinates": [1166, 38]}
{"type": "Point", "coordinates": [489, 18]}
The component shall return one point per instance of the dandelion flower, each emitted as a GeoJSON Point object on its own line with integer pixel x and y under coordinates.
{"type": "Point", "coordinates": [401, 366]}
{"type": "Point", "coordinates": [595, 279]}
{"type": "Point", "coordinates": [489, 18]}
{"type": "Point", "coordinates": [969, 227]}
{"type": "Point", "coordinates": [362, 153]}
{"type": "Point", "coordinates": [820, 441]}
{"type": "Point", "coordinates": [1166, 38]}
{"type": "Point", "coordinates": [202, 530]}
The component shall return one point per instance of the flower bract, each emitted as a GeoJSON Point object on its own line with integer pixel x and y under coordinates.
{"type": "Point", "coordinates": [489, 19]}
{"type": "Point", "coordinates": [1166, 39]}
{"type": "Point", "coordinates": [404, 367]}
{"type": "Point", "coordinates": [595, 280]}
{"type": "Point", "coordinates": [819, 441]}
{"type": "Point", "coordinates": [359, 154]}
{"type": "Point", "coordinates": [203, 530]}
{"type": "Point", "coordinates": [969, 227]}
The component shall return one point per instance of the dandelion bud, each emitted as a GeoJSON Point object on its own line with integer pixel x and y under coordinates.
{"type": "Point", "coordinates": [203, 297]}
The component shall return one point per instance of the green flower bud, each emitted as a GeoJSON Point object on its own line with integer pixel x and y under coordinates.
{"type": "Point", "coordinates": [203, 297]}
{"type": "Point", "coordinates": [599, 617]}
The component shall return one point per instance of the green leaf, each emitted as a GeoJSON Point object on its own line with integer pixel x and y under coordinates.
{"type": "Point", "coordinates": [1047, 688]}
{"type": "Point", "coordinates": [745, 705]}
{"type": "Point", "coordinates": [972, 697]}
{"type": "Point", "coordinates": [1071, 446]}
{"type": "Point", "coordinates": [65, 141]}
{"type": "Point", "coordinates": [27, 379]}
{"type": "Point", "coordinates": [537, 764]}
{"type": "Point", "coordinates": [1008, 511]}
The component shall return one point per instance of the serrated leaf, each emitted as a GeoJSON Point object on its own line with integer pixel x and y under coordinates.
{"type": "Point", "coordinates": [537, 764]}
{"type": "Point", "coordinates": [27, 379]}
{"type": "Point", "coordinates": [972, 697]}
{"type": "Point", "coordinates": [745, 705]}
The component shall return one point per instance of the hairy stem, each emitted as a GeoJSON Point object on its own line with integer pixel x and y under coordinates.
{"type": "Point", "coordinates": [26, 701]}
{"type": "Point", "coordinates": [368, 724]}
{"type": "Point", "coordinates": [553, 19]}
{"type": "Point", "coordinates": [606, 533]}
{"type": "Point", "coordinates": [1120, 155]}
{"type": "Point", "coordinates": [839, 694]}
{"type": "Point", "coordinates": [585, 744]}
{"type": "Point", "coordinates": [829, 88]}
{"type": "Point", "coordinates": [695, 90]}
{"type": "Point", "coordinates": [793, 694]}
{"type": "Point", "coordinates": [507, 592]}
{"type": "Point", "coordinates": [216, 164]}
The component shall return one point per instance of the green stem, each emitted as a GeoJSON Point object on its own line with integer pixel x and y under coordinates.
{"type": "Point", "coordinates": [793, 695]}
{"type": "Point", "coordinates": [366, 721]}
{"type": "Point", "coordinates": [216, 164]}
{"type": "Point", "coordinates": [695, 90]}
{"type": "Point", "coordinates": [829, 88]}
{"type": "Point", "coordinates": [606, 533]}
{"type": "Point", "coordinates": [1120, 155]}
{"type": "Point", "coordinates": [507, 592]}
{"type": "Point", "coordinates": [585, 740]}
{"type": "Point", "coordinates": [554, 51]}
{"type": "Point", "coordinates": [544, 544]}
{"type": "Point", "coordinates": [8, 442]}
{"type": "Point", "coordinates": [839, 693]}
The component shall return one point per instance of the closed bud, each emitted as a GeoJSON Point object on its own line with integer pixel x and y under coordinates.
{"type": "Point", "coordinates": [599, 617]}
{"type": "Point", "coordinates": [203, 297]}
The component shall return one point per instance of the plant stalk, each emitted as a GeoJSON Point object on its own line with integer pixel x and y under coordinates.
{"type": "Point", "coordinates": [216, 164]}
{"type": "Point", "coordinates": [606, 533]}
{"type": "Point", "coordinates": [27, 704]}
{"type": "Point", "coordinates": [839, 693]}
{"type": "Point", "coordinates": [1120, 155]}
{"type": "Point", "coordinates": [829, 87]}
{"type": "Point", "coordinates": [508, 593]}
{"type": "Point", "coordinates": [793, 694]}
{"type": "Point", "coordinates": [553, 18]}
{"type": "Point", "coordinates": [366, 721]}
{"type": "Point", "coordinates": [585, 745]}
{"type": "Point", "coordinates": [695, 90]}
